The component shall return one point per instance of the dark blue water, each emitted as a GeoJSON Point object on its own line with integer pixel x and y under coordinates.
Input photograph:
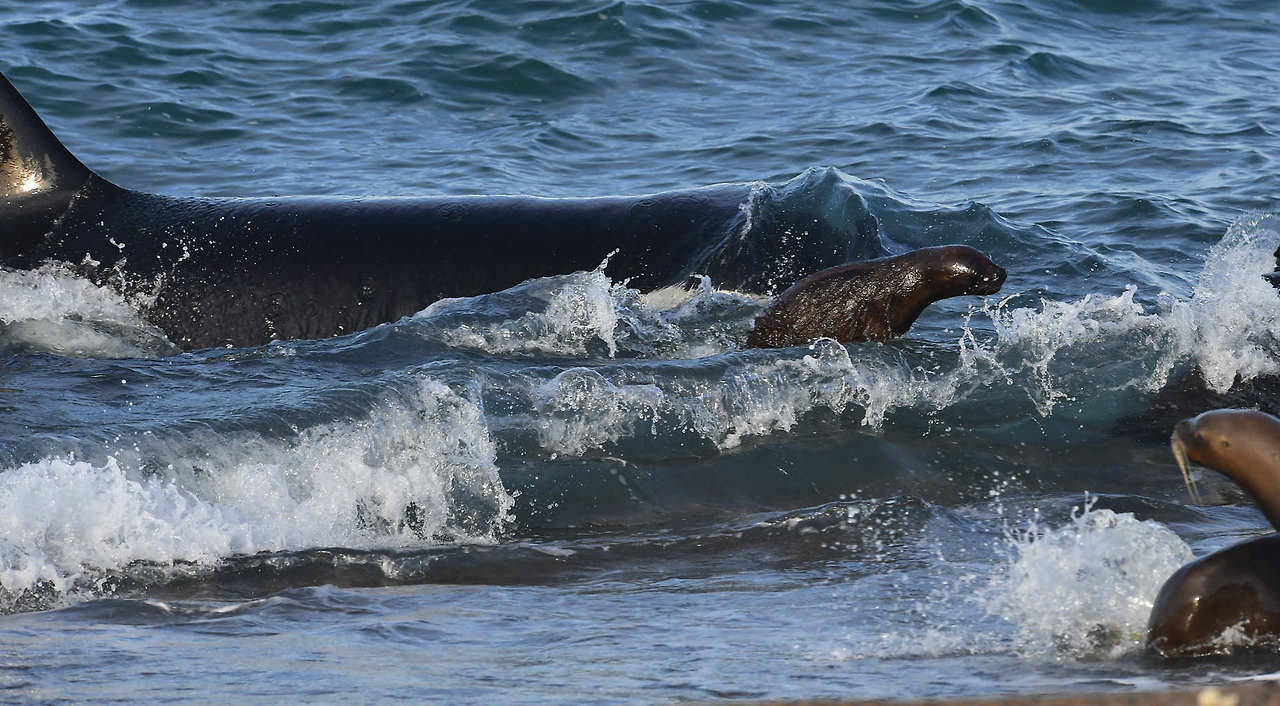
{"type": "Point", "coordinates": [576, 491]}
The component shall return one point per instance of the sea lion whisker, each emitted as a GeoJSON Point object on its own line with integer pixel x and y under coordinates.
{"type": "Point", "coordinates": [1180, 455]}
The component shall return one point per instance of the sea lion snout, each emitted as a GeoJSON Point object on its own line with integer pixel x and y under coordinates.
{"type": "Point", "coordinates": [990, 281]}
{"type": "Point", "coordinates": [977, 272]}
{"type": "Point", "coordinates": [1230, 439]}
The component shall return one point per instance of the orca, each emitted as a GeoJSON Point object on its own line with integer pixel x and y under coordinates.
{"type": "Point", "coordinates": [244, 271]}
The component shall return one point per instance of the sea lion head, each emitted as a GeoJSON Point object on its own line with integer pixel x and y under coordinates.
{"type": "Point", "coordinates": [1242, 444]}
{"type": "Point", "coordinates": [1234, 589]}
{"type": "Point", "coordinates": [961, 269]}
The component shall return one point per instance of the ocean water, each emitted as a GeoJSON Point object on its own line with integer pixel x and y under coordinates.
{"type": "Point", "coordinates": [574, 491]}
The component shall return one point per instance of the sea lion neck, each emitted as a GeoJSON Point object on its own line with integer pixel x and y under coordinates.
{"type": "Point", "coordinates": [1242, 444]}
{"type": "Point", "coordinates": [923, 277]}
{"type": "Point", "coordinates": [913, 290]}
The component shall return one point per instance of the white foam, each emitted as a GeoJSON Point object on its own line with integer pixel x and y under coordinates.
{"type": "Point", "coordinates": [761, 398]}
{"type": "Point", "coordinates": [691, 323]}
{"type": "Point", "coordinates": [1084, 589]}
{"type": "Point", "coordinates": [425, 452]}
{"type": "Point", "coordinates": [581, 410]}
{"type": "Point", "coordinates": [575, 311]}
{"type": "Point", "coordinates": [585, 314]}
{"type": "Point", "coordinates": [1041, 350]}
{"type": "Point", "coordinates": [51, 309]}
{"type": "Point", "coordinates": [1229, 329]}
{"type": "Point", "coordinates": [1231, 325]}
{"type": "Point", "coordinates": [1055, 353]}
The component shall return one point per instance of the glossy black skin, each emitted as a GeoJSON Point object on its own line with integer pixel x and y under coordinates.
{"type": "Point", "coordinates": [1237, 587]}
{"type": "Point", "coordinates": [874, 300]}
{"type": "Point", "coordinates": [244, 271]}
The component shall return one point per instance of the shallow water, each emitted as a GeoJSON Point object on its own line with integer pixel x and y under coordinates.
{"type": "Point", "coordinates": [575, 491]}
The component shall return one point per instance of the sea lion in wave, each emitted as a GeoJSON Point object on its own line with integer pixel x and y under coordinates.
{"type": "Point", "coordinates": [1237, 588]}
{"type": "Point", "coordinates": [873, 300]}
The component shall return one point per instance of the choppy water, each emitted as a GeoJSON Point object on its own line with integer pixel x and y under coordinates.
{"type": "Point", "coordinates": [573, 491]}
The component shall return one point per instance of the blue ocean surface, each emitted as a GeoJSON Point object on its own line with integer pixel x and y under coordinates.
{"type": "Point", "coordinates": [576, 491]}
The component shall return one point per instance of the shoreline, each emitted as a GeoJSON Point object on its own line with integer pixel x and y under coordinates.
{"type": "Point", "coordinates": [1251, 694]}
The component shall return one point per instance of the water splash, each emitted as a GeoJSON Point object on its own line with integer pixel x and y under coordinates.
{"type": "Point", "coordinates": [580, 411]}
{"type": "Point", "coordinates": [1084, 589]}
{"type": "Point", "coordinates": [1229, 329]}
{"type": "Point", "coordinates": [1100, 348]}
{"type": "Point", "coordinates": [558, 316]}
{"type": "Point", "coordinates": [758, 399]}
{"type": "Point", "coordinates": [51, 309]}
{"type": "Point", "coordinates": [583, 410]}
{"type": "Point", "coordinates": [420, 469]}
{"type": "Point", "coordinates": [1041, 350]}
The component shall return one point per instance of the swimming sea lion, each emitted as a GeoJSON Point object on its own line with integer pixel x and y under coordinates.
{"type": "Point", "coordinates": [1238, 587]}
{"type": "Point", "coordinates": [873, 300]}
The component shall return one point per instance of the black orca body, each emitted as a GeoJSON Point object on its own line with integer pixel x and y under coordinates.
{"type": "Point", "coordinates": [244, 271]}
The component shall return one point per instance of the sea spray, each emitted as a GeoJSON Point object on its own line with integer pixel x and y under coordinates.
{"type": "Point", "coordinates": [580, 411]}
{"type": "Point", "coordinates": [569, 315]}
{"type": "Point", "coordinates": [1084, 589]}
{"type": "Point", "coordinates": [1230, 327]}
{"type": "Point", "coordinates": [586, 315]}
{"type": "Point", "coordinates": [419, 470]}
{"type": "Point", "coordinates": [586, 410]}
{"type": "Point", "coordinates": [1040, 350]}
{"type": "Point", "coordinates": [52, 309]}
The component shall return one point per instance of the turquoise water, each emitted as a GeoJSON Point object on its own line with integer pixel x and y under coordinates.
{"type": "Point", "coordinates": [574, 491]}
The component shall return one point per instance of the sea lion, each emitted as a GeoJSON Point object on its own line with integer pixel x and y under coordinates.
{"type": "Point", "coordinates": [1274, 277]}
{"type": "Point", "coordinates": [1237, 588]}
{"type": "Point", "coordinates": [873, 300]}
{"type": "Point", "coordinates": [244, 271]}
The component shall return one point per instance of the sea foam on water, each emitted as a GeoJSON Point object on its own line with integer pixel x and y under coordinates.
{"type": "Point", "coordinates": [1229, 329]}
{"type": "Point", "coordinates": [1061, 352]}
{"type": "Point", "coordinates": [354, 482]}
{"type": "Point", "coordinates": [51, 309]}
{"type": "Point", "coordinates": [1084, 589]}
{"type": "Point", "coordinates": [420, 470]}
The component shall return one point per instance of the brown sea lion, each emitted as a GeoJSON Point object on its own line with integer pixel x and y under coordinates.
{"type": "Point", "coordinates": [1237, 588]}
{"type": "Point", "coordinates": [873, 300]}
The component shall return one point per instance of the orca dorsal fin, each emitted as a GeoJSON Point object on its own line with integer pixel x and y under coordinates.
{"type": "Point", "coordinates": [33, 161]}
